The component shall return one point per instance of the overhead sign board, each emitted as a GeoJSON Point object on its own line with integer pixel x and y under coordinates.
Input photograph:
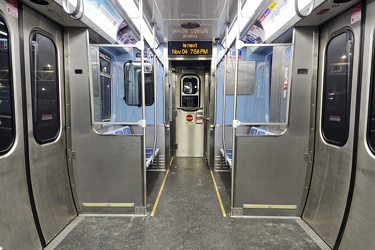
{"type": "Point", "coordinates": [197, 34]}
{"type": "Point", "coordinates": [197, 48]}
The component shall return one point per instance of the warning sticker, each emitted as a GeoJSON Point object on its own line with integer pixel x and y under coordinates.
{"type": "Point", "coordinates": [334, 118]}
{"type": "Point", "coordinates": [47, 117]}
{"type": "Point", "coordinates": [286, 80]}
{"type": "Point", "coordinates": [356, 13]}
{"type": "Point", "coordinates": [12, 8]}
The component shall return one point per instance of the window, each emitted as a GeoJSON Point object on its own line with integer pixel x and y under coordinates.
{"type": "Point", "coordinates": [190, 92]}
{"type": "Point", "coordinates": [190, 87]}
{"type": "Point", "coordinates": [133, 83]}
{"type": "Point", "coordinates": [371, 119]}
{"type": "Point", "coordinates": [105, 87]}
{"type": "Point", "coordinates": [44, 88]}
{"type": "Point", "coordinates": [337, 89]}
{"type": "Point", "coordinates": [7, 126]}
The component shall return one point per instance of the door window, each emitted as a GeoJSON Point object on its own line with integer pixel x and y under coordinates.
{"type": "Point", "coordinates": [44, 88]}
{"type": "Point", "coordinates": [371, 119]}
{"type": "Point", "coordinates": [7, 131]}
{"type": "Point", "coordinates": [337, 89]}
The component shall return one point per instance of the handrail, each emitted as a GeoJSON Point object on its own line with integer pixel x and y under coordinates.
{"type": "Point", "coordinates": [115, 123]}
{"type": "Point", "coordinates": [79, 8]}
{"type": "Point", "coordinates": [312, 5]}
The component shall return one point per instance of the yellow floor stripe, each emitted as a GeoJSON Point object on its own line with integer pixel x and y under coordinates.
{"type": "Point", "coordinates": [161, 190]}
{"type": "Point", "coordinates": [218, 196]}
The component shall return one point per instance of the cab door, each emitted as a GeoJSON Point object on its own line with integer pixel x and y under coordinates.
{"type": "Point", "coordinates": [44, 81]}
{"type": "Point", "coordinates": [190, 101]}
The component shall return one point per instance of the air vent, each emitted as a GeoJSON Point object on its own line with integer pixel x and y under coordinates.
{"type": "Point", "coordinates": [190, 25]}
{"type": "Point", "coordinates": [40, 2]}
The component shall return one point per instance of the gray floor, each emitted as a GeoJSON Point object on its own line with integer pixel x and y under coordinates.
{"type": "Point", "coordinates": [188, 217]}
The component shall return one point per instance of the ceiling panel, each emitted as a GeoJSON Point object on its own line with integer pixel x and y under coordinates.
{"type": "Point", "coordinates": [211, 15]}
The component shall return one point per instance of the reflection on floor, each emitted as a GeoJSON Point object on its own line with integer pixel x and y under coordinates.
{"type": "Point", "coordinates": [188, 217]}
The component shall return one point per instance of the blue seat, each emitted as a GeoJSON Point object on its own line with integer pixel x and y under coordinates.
{"type": "Point", "coordinates": [119, 132]}
{"type": "Point", "coordinates": [253, 131]}
{"type": "Point", "coordinates": [126, 130]}
{"type": "Point", "coordinates": [227, 156]}
{"type": "Point", "coordinates": [261, 132]}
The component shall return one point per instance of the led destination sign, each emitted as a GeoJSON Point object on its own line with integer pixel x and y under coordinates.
{"type": "Point", "coordinates": [198, 34]}
{"type": "Point", "coordinates": [190, 48]}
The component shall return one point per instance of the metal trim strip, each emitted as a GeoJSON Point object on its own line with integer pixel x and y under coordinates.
{"type": "Point", "coordinates": [268, 206]}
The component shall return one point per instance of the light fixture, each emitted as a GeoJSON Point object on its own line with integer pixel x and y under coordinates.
{"type": "Point", "coordinates": [190, 25]}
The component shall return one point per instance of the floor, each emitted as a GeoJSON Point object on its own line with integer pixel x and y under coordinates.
{"type": "Point", "coordinates": [188, 216]}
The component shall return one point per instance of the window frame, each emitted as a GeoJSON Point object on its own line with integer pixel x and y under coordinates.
{"type": "Point", "coordinates": [371, 101]}
{"type": "Point", "coordinates": [136, 72]}
{"type": "Point", "coordinates": [348, 89]}
{"type": "Point", "coordinates": [107, 75]}
{"type": "Point", "coordinates": [11, 90]}
{"type": "Point", "coordinates": [33, 87]}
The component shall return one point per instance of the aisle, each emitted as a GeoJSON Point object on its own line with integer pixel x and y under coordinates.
{"type": "Point", "coordinates": [188, 217]}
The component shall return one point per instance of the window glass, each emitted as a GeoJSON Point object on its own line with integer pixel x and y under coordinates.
{"type": "Point", "coordinates": [337, 89]}
{"type": "Point", "coordinates": [106, 97]}
{"type": "Point", "coordinates": [105, 87]}
{"type": "Point", "coordinates": [190, 87]}
{"type": "Point", "coordinates": [263, 86]}
{"type": "Point", "coordinates": [6, 96]}
{"type": "Point", "coordinates": [133, 83]}
{"type": "Point", "coordinates": [190, 92]}
{"type": "Point", "coordinates": [371, 122]}
{"type": "Point", "coordinates": [44, 88]}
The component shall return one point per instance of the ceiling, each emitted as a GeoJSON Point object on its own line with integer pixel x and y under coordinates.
{"type": "Point", "coordinates": [211, 15]}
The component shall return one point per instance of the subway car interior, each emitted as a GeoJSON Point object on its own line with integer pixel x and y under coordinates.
{"type": "Point", "coordinates": [187, 124]}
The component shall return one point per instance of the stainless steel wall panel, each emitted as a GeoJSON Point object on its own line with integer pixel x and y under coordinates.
{"type": "Point", "coordinates": [268, 173]}
{"type": "Point", "coordinates": [271, 170]}
{"type": "Point", "coordinates": [110, 175]}
{"type": "Point", "coordinates": [16, 218]}
{"type": "Point", "coordinates": [332, 164]}
{"type": "Point", "coordinates": [360, 226]}
{"type": "Point", "coordinates": [107, 168]}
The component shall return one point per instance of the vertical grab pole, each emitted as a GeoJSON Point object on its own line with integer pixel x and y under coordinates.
{"type": "Point", "coordinates": [234, 125]}
{"type": "Point", "coordinates": [224, 90]}
{"type": "Point", "coordinates": [143, 125]}
{"type": "Point", "coordinates": [155, 99]}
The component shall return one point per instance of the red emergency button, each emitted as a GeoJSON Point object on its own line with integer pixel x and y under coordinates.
{"type": "Point", "coordinates": [189, 118]}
